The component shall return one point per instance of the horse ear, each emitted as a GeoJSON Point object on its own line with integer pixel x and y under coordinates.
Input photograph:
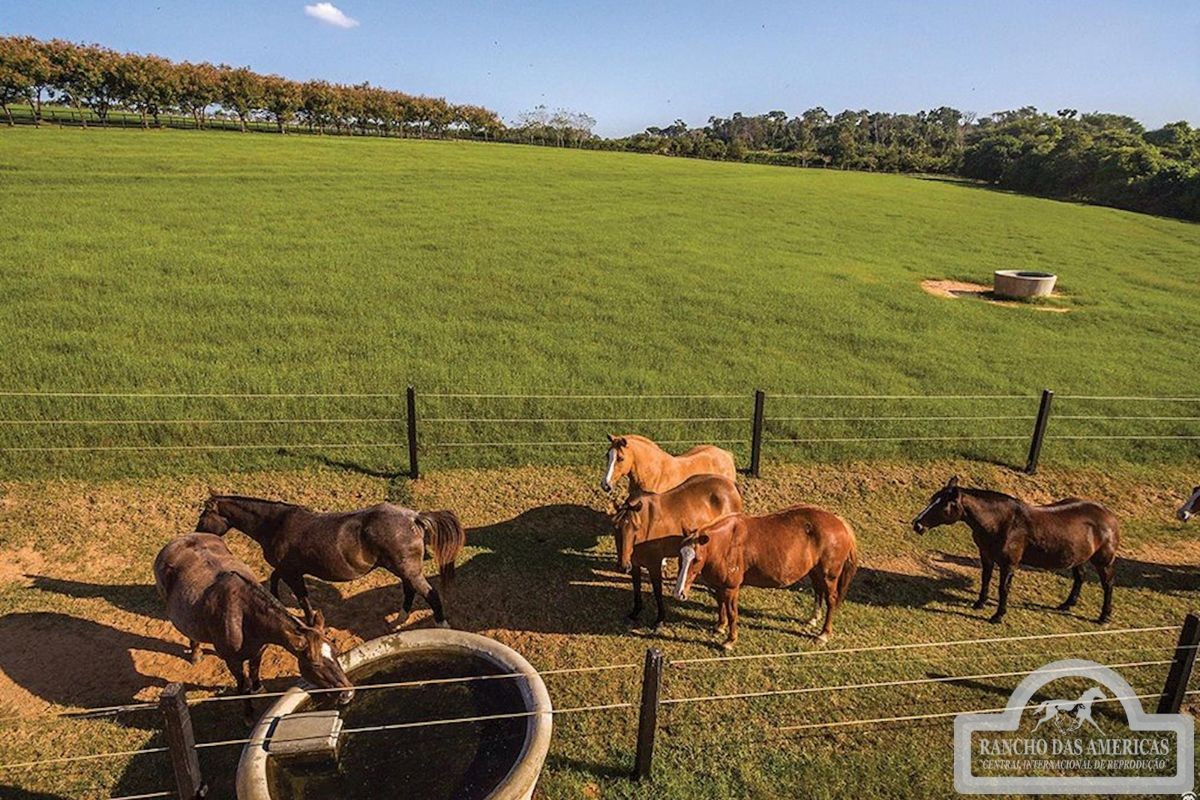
{"type": "Point", "coordinates": [318, 621]}
{"type": "Point", "coordinates": [636, 505]}
{"type": "Point", "coordinates": [952, 483]}
{"type": "Point", "coordinates": [702, 539]}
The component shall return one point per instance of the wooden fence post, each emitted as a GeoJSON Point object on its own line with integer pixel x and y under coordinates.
{"type": "Point", "coordinates": [756, 429]}
{"type": "Point", "coordinates": [1181, 667]}
{"type": "Point", "coordinates": [181, 742]}
{"type": "Point", "coordinates": [414, 471]}
{"type": "Point", "coordinates": [1039, 432]}
{"type": "Point", "coordinates": [648, 715]}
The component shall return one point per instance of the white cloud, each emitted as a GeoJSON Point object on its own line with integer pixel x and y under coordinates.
{"type": "Point", "coordinates": [331, 14]}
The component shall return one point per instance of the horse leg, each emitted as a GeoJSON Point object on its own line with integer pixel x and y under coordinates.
{"type": "Point", "coordinates": [1106, 573]}
{"type": "Point", "coordinates": [194, 647]}
{"type": "Point", "coordinates": [410, 595]}
{"type": "Point", "coordinates": [1006, 576]}
{"type": "Point", "coordinates": [656, 583]}
{"type": "Point", "coordinates": [988, 566]}
{"type": "Point", "coordinates": [426, 590]}
{"type": "Point", "coordinates": [637, 594]}
{"type": "Point", "coordinates": [1076, 586]}
{"type": "Point", "coordinates": [816, 612]}
{"type": "Point", "coordinates": [255, 667]}
{"type": "Point", "coordinates": [237, 667]}
{"type": "Point", "coordinates": [731, 612]}
{"type": "Point", "coordinates": [831, 601]}
{"type": "Point", "coordinates": [275, 584]}
{"type": "Point", "coordinates": [298, 587]}
{"type": "Point", "coordinates": [722, 619]}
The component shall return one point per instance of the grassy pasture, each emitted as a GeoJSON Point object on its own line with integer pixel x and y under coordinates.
{"type": "Point", "coordinates": [192, 262]}
{"type": "Point", "coordinates": [539, 574]}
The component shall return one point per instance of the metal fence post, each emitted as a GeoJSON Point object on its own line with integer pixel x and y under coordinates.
{"type": "Point", "coordinates": [648, 715]}
{"type": "Point", "coordinates": [414, 471]}
{"type": "Point", "coordinates": [1039, 432]}
{"type": "Point", "coordinates": [181, 742]}
{"type": "Point", "coordinates": [1181, 667]}
{"type": "Point", "coordinates": [756, 429]}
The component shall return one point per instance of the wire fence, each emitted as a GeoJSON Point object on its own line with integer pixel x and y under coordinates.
{"type": "Point", "coordinates": [1153, 654]}
{"type": "Point", "coordinates": [64, 431]}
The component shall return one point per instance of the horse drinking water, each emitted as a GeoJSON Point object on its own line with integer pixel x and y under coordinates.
{"type": "Point", "coordinates": [213, 597]}
{"type": "Point", "coordinates": [1010, 533]}
{"type": "Point", "coordinates": [1188, 509]}
{"type": "Point", "coordinates": [772, 551]}
{"type": "Point", "coordinates": [652, 469]}
{"type": "Point", "coordinates": [649, 528]}
{"type": "Point", "coordinates": [342, 546]}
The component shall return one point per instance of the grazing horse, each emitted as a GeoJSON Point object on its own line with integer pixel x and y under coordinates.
{"type": "Point", "coordinates": [1010, 533]}
{"type": "Point", "coordinates": [342, 546]}
{"type": "Point", "coordinates": [1188, 509]}
{"type": "Point", "coordinates": [648, 529]}
{"type": "Point", "coordinates": [652, 469]}
{"type": "Point", "coordinates": [772, 551]}
{"type": "Point", "coordinates": [213, 597]}
{"type": "Point", "coordinates": [1081, 709]}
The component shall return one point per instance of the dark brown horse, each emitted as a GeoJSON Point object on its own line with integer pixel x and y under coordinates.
{"type": "Point", "coordinates": [342, 546]}
{"type": "Point", "coordinates": [771, 551]}
{"type": "Point", "coordinates": [1010, 533]}
{"type": "Point", "coordinates": [213, 597]}
{"type": "Point", "coordinates": [648, 529]}
{"type": "Point", "coordinates": [1188, 509]}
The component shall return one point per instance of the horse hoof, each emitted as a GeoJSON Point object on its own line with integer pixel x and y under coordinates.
{"type": "Point", "coordinates": [996, 619]}
{"type": "Point", "coordinates": [726, 645]}
{"type": "Point", "coordinates": [1103, 619]}
{"type": "Point", "coordinates": [720, 629]}
{"type": "Point", "coordinates": [978, 604]}
{"type": "Point", "coordinates": [1065, 607]}
{"type": "Point", "coordinates": [443, 624]}
{"type": "Point", "coordinates": [823, 638]}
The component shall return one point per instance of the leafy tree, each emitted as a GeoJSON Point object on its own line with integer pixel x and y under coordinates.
{"type": "Point", "coordinates": [240, 92]}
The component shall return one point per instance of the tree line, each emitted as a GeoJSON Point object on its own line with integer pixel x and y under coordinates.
{"type": "Point", "coordinates": [1099, 158]}
{"type": "Point", "coordinates": [95, 80]}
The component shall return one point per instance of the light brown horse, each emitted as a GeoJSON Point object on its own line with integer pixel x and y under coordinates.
{"type": "Point", "coordinates": [1010, 533]}
{"type": "Point", "coordinates": [649, 528]}
{"type": "Point", "coordinates": [213, 597]}
{"type": "Point", "coordinates": [342, 546]}
{"type": "Point", "coordinates": [1188, 509]}
{"type": "Point", "coordinates": [652, 469]}
{"type": "Point", "coordinates": [771, 551]}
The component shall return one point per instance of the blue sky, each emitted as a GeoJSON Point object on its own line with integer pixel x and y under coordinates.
{"type": "Point", "coordinates": [631, 64]}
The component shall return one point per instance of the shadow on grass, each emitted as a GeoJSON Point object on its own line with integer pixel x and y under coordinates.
{"type": "Point", "coordinates": [136, 598]}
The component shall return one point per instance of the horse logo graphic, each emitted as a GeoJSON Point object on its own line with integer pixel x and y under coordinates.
{"type": "Point", "coordinates": [1061, 712]}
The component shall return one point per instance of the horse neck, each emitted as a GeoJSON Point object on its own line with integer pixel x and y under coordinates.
{"type": "Point", "coordinates": [274, 624]}
{"type": "Point", "coordinates": [258, 519]}
{"type": "Point", "coordinates": [984, 514]}
{"type": "Point", "coordinates": [648, 461]}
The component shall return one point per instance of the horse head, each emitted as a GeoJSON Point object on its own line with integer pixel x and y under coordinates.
{"type": "Point", "coordinates": [211, 520]}
{"type": "Point", "coordinates": [692, 554]}
{"type": "Point", "coordinates": [1188, 509]}
{"type": "Point", "coordinates": [319, 663]}
{"type": "Point", "coordinates": [627, 520]}
{"type": "Point", "coordinates": [945, 508]}
{"type": "Point", "coordinates": [619, 461]}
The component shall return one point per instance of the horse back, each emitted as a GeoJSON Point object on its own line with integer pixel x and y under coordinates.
{"type": "Point", "coordinates": [698, 501]}
{"type": "Point", "coordinates": [203, 584]}
{"type": "Point", "coordinates": [1069, 532]}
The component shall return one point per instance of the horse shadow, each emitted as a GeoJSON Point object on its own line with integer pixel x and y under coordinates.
{"type": "Point", "coordinates": [136, 598]}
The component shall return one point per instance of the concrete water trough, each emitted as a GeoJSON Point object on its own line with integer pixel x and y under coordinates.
{"type": "Point", "coordinates": [1018, 283]}
{"type": "Point", "coordinates": [486, 759]}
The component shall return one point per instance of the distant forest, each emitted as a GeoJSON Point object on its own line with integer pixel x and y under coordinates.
{"type": "Point", "coordinates": [1108, 159]}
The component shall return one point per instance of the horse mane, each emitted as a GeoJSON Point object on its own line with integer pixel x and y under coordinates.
{"type": "Point", "coordinates": [991, 494]}
{"type": "Point", "coordinates": [634, 437]}
{"type": "Point", "coordinates": [265, 599]}
{"type": "Point", "coordinates": [260, 500]}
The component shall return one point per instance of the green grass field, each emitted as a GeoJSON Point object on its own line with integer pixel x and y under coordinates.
{"type": "Point", "coordinates": [211, 262]}
{"type": "Point", "coordinates": [174, 262]}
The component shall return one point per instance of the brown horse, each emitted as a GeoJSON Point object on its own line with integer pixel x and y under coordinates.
{"type": "Point", "coordinates": [652, 469]}
{"type": "Point", "coordinates": [771, 551]}
{"type": "Point", "coordinates": [213, 597]}
{"type": "Point", "coordinates": [1188, 509]}
{"type": "Point", "coordinates": [648, 529]}
{"type": "Point", "coordinates": [342, 546]}
{"type": "Point", "coordinates": [1010, 533]}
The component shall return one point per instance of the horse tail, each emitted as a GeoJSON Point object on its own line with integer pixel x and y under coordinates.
{"type": "Point", "coordinates": [849, 567]}
{"type": "Point", "coordinates": [445, 536]}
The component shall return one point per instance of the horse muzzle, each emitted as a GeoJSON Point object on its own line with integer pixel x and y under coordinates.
{"type": "Point", "coordinates": [1183, 515]}
{"type": "Point", "coordinates": [919, 526]}
{"type": "Point", "coordinates": [626, 568]}
{"type": "Point", "coordinates": [344, 698]}
{"type": "Point", "coordinates": [606, 487]}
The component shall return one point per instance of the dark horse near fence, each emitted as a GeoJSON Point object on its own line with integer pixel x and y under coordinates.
{"type": "Point", "coordinates": [1010, 533]}
{"type": "Point", "coordinates": [213, 597]}
{"type": "Point", "coordinates": [342, 546]}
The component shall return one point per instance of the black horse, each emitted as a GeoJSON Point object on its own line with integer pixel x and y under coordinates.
{"type": "Point", "coordinates": [342, 546]}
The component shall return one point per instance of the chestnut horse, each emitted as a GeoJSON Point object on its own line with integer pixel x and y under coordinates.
{"type": "Point", "coordinates": [1010, 533]}
{"type": "Point", "coordinates": [342, 546]}
{"type": "Point", "coordinates": [1188, 509]}
{"type": "Point", "coordinates": [771, 551]}
{"type": "Point", "coordinates": [213, 597]}
{"type": "Point", "coordinates": [649, 528]}
{"type": "Point", "coordinates": [652, 469]}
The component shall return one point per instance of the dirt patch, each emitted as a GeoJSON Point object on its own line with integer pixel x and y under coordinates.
{"type": "Point", "coordinates": [979, 291]}
{"type": "Point", "coordinates": [16, 564]}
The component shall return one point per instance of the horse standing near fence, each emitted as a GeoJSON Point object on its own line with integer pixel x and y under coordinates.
{"type": "Point", "coordinates": [211, 596]}
{"type": "Point", "coordinates": [652, 469]}
{"type": "Point", "coordinates": [649, 528]}
{"type": "Point", "coordinates": [1010, 533]}
{"type": "Point", "coordinates": [342, 546]}
{"type": "Point", "coordinates": [1188, 509]}
{"type": "Point", "coordinates": [771, 551]}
